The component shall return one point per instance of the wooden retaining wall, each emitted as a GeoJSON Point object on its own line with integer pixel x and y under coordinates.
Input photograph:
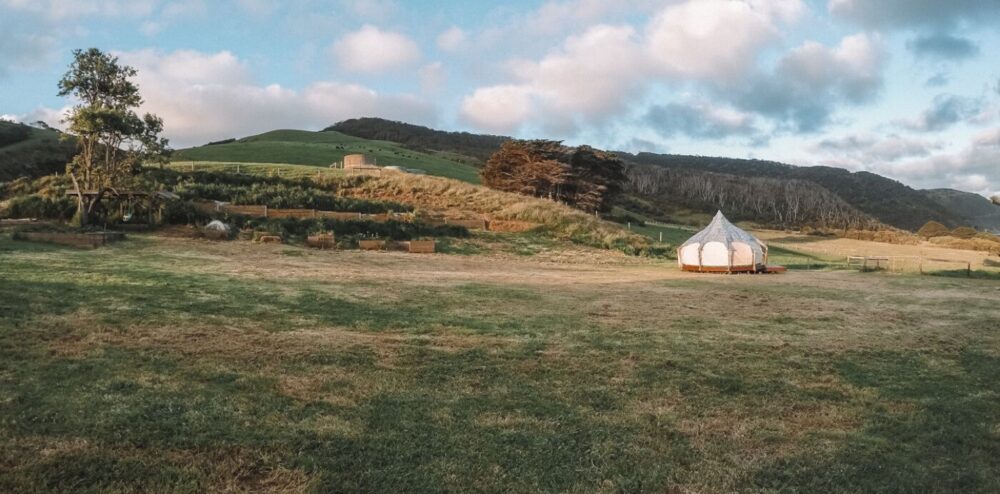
{"type": "Point", "coordinates": [321, 241]}
{"type": "Point", "coordinates": [421, 246]}
{"type": "Point", "coordinates": [266, 212]}
{"type": "Point", "coordinates": [82, 240]}
{"type": "Point", "coordinates": [511, 226]}
{"type": "Point", "coordinates": [371, 244]}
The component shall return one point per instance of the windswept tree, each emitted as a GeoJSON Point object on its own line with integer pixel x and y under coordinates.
{"type": "Point", "coordinates": [582, 177]}
{"type": "Point", "coordinates": [114, 141]}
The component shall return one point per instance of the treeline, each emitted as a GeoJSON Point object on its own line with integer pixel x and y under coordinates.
{"type": "Point", "coordinates": [418, 138]}
{"type": "Point", "coordinates": [768, 201]}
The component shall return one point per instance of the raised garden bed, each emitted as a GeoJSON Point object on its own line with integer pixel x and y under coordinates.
{"type": "Point", "coordinates": [421, 246]}
{"type": "Point", "coordinates": [371, 244]}
{"type": "Point", "coordinates": [88, 240]}
{"type": "Point", "coordinates": [321, 241]}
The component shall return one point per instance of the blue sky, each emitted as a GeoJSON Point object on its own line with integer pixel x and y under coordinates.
{"type": "Point", "coordinates": [905, 88]}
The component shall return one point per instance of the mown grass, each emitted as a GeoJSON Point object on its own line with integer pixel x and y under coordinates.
{"type": "Point", "coordinates": [299, 147]}
{"type": "Point", "coordinates": [186, 366]}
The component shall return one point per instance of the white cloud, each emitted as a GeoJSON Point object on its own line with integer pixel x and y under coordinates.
{"type": "Point", "coordinates": [716, 39]}
{"type": "Point", "coordinates": [973, 168]}
{"type": "Point", "coordinates": [592, 77]}
{"type": "Point", "coordinates": [432, 77]}
{"type": "Point", "coordinates": [51, 116]}
{"type": "Point", "coordinates": [24, 51]}
{"type": "Point", "coordinates": [595, 76]}
{"type": "Point", "coordinates": [371, 50]}
{"type": "Point", "coordinates": [498, 108]}
{"type": "Point", "coordinates": [69, 9]}
{"type": "Point", "coordinates": [871, 151]}
{"type": "Point", "coordinates": [210, 96]}
{"type": "Point", "coordinates": [452, 39]}
{"type": "Point", "coordinates": [370, 9]}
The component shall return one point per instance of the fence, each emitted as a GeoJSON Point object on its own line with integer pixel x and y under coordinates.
{"type": "Point", "coordinates": [904, 263]}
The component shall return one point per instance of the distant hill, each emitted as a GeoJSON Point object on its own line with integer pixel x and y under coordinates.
{"type": "Point", "coordinates": [31, 152]}
{"type": "Point", "coordinates": [974, 209]}
{"type": "Point", "coordinates": [456, 154]}
{"type": "Point", "coordinates": [300, 147]}
{"type": "Point", "coordinates": [885, 199]}
{"type": "Point", "coordinates": [419, 138]}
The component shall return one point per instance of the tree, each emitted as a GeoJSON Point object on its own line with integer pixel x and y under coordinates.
{"type": "Point", "coordinates": [113, 140]}
{"type": "Point", "coordinates": [525, 168]}
{"type": "Point", "coordinates": [996, 199]}
{"type": "Point", "coordinates": [582, 177]}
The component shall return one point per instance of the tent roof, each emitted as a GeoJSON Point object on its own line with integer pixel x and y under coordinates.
{"type": "Point", "coordinates": [721, 230]}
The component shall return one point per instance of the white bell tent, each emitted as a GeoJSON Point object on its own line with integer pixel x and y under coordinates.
{"type": "Point", "coordinates": [722, 247]}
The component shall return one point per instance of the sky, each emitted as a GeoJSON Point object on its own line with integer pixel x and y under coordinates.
{"type": "Point", "coordinates": [909, 89]}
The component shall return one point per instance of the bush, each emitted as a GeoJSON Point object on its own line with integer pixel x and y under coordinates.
{"type": "Point", "coordinates": [933, 229]}
{"type": "Point", "coordinates": [390, 230]}
{"type": "Point", "coordinates": [36, 206]}
{"type": "Point", "coordinates": [964, 232]}
{"type": "Point", "coordinates": [273, 192]}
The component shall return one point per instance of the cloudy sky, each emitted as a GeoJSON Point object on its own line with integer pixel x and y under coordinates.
{"type": "Point", "coordinates": [905, 88]}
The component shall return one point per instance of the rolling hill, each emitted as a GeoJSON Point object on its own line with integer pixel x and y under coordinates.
{"type": "Point", "coordinates": [974, 209]}
{"type": "Point", "coordinates": [887, 200]}
{"type": "Point", "coordinates": [31, 152]}
{"type": "Point", "coordinates": [300, 147]}
{"type": "Point", "coordinates": [476, 146]}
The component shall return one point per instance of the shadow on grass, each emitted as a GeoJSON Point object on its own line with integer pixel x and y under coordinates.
{"type": "Point", "coordinates": [940, 438]}
{"type": "Point", "coordinates": [977, 274]}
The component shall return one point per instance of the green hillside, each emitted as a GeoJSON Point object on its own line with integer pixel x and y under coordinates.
{"type": "Point", "coordinates": [300, 147]}
{"type": "Point", "coordinates": [476, 148]}
{"type": "Point", "coordinates": [31, 152]}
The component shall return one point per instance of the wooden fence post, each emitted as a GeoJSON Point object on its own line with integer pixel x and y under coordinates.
{"type": "Point", "coordinates": [265, 211]}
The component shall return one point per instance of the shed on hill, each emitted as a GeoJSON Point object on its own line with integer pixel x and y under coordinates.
{"type": "Point", "coordinates": [358, 161]}
{"type": "Point", "coordinates": [722, 247]}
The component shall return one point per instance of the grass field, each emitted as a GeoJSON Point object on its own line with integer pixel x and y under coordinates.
{"type": "Point", "coordinates": [172, 365]}
{"type": "Point", "coordinates": [299, 147]}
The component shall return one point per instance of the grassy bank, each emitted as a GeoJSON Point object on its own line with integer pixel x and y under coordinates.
{"type": "Point", "coordinates": [187, 366]}
{"type": "Point", "coordinates": [320, 149]}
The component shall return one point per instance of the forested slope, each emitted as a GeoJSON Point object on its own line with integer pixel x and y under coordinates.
{"type": "Point", "coordinates": [31, 152]}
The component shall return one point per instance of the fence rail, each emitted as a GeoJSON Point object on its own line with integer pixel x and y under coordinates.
{"type": "Point", "coordinates": [900, 263]}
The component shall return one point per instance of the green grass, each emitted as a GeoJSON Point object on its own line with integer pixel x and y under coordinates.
{"type": "Point", "coordinates": [188, 366]}
{"type": "Point", "coordinates": [300, 147]}
{"type": "Point", "coordinates": [670, 234]}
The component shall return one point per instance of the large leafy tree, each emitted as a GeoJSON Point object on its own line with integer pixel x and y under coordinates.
{"type": "Point", "coordinates": [114, 141]}
{"type": "Point", "coordinates": [582, 177]}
